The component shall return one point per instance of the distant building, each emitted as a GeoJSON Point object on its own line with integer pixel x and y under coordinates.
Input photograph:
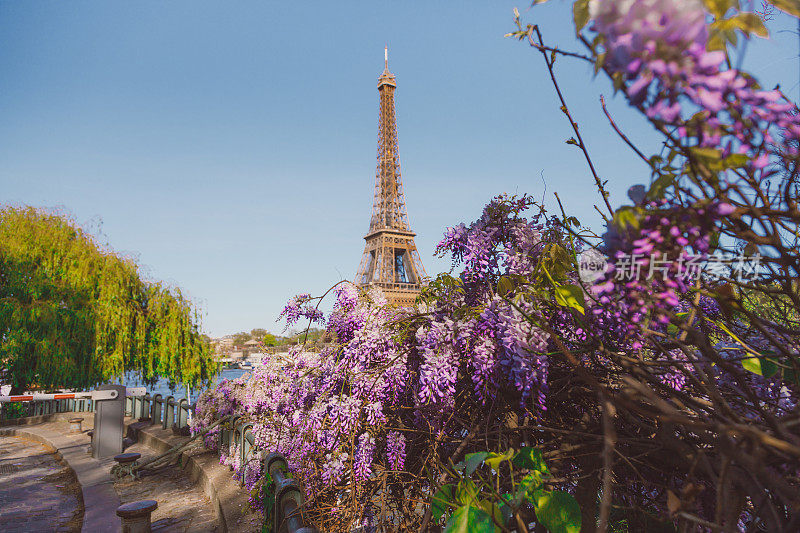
{"type": "Point", "coordinates": [223, 345]}
{"type": "Point", "coordinates": [226, 342]}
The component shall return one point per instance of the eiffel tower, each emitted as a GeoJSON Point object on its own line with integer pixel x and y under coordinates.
{"type": "Point", "coordinates": [390, 261]}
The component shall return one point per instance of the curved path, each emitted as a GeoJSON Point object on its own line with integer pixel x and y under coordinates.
{"type": "Point", "coordinates": [37, 490]}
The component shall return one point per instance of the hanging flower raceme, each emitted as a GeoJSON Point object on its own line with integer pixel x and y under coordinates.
{"type": "Point", "coordinates": [298, 308]}
{"type": "Point", "coordinates": [500, 242]}
{"type": "Point", "coordinates": [660, 48]}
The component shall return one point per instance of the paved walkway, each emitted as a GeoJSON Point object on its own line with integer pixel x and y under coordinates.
{"type": "Point", "coordinates": [38, 492]}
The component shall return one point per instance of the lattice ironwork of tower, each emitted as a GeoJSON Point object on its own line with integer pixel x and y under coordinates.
{"type": "Point", "coordinates": [391, 260]}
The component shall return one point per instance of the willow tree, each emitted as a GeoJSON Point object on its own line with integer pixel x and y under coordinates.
{"type": "Point", "coordinates": [74, 314]}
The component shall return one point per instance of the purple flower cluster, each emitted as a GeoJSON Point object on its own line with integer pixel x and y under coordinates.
{"type": "Point", "coordinates": [328, 411]}
{"type": "Point", "coordinates": [298, 308]}
{"type": "Point", "coordinates": [675, 376]}
{"type": "Point", "coordinates": [334, 467]}
{"type": "Point", "coordinates": [500, 239]}
{"type": "Point", "coordinates": [396, 450]}
{"type": "Point", "coordinates": [667, 245]}
{"type": "Point", "coordinates": [362, 467]}
{"type": "Point", "coordinates": [522, 347]}
{"type": "Point", "coordinates": [661, 49]}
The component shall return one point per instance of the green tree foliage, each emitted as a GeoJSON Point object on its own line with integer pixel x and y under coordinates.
{"type": "Point", "coordinates": [258, 333]}
{"type": "Point", "coordinates": [240, 338]}
{"type": "Point", "coordinates": [269, 339]}
{"type": "Point", "coordinates": [75, 314]}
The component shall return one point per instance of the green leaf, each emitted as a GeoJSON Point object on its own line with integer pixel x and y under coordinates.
{"type": "Point", "coordinates": [735, 161]}
{"type": "Point", "coordinates": [661, 184]}
{"type": "Point", "coordinates": [530, 458]}
{"type": "Point", "coordinates": [558, 512]}
{"type": "Point", "coordinates": [469, 519]}
{"type": "Point", "coordinates": [466, 492]}
{"type": "Point", "coordinates": [572, 140]}
{"type": "Point", "coordinates": [769, 368]}
{"type": "Point", "coordinates": [494, 459]}
{"type": "Point", "coordinates": [789, 6]}
{"type": "Point", "coordinates": [716, 42]}
{"type": "Point", "coordinates": [626, 217]}
{"type": "Point", "coordinates": [714, 242]}
{"type": "Point", "coordinates": [600, 61]}
{"type": "Point", "coordinates": [570, 296]}
{"type": "Point", "coordinates": [706, 154]}
{"type": "Point", "coordinates": [761, 366]}
{"type": "Point", "coordinates": [752, 364]}
{"type": "Point", "coordinates": [528, 487]}
{"type": "Point", "coordinates": [505, 507]}
{"type": "Point", "coordinates": [441, 501]}
{"type": "Point", "coordinates": [718, 8]}
{"type": "Point", "coordinates": [491, 509]}
{"type": "Point", "coordinates": [505, 285]}
{"type": "Point", "coordinates": [580, 14]}
{"type": "Point", "coordinates": [750, 23]}
{"type": "Point", "coordinates": [474, 460]}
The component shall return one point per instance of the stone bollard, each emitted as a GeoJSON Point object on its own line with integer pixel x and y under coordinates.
{"type": "Point", "coordinates": [125, 458]}
{"type": "Point", "coordinates": [136, 516]}
{"type": "Point", "coordinates": [75, 425]}
{"type": "Point", "coordinates": [125, 464]}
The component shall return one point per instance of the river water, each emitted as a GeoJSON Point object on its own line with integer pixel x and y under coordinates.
{"type": "Point", "coordinates": [162, 385]}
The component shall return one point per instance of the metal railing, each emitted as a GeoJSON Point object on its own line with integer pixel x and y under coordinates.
{"type": "Point", "coordinates": [166, 412]}
{"type": "Point", "coordinates": [288, 514]}
{"type": "Point", "coordinates": [44, 407]}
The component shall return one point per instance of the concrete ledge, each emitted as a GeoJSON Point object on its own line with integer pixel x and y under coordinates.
{"type": "Point", "coordinates": [100, 500]}
{"type": "Point", "coordinates": [227, 496]}
{"type": "Point", "coordinates": [41, 419]}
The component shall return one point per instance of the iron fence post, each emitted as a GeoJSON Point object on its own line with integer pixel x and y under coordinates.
{"type": "Point", "coordinates": [157, 408]}
{"type": "Point", "coordinates": [169, 417]}
{"type": "Point", "coordinates": [183, 413]}
{"type": "Point", "coordinates": [288, 512]}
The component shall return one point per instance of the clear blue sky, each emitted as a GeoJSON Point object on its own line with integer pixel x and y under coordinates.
{"type": "Point", "coordinates": [230, 146]}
